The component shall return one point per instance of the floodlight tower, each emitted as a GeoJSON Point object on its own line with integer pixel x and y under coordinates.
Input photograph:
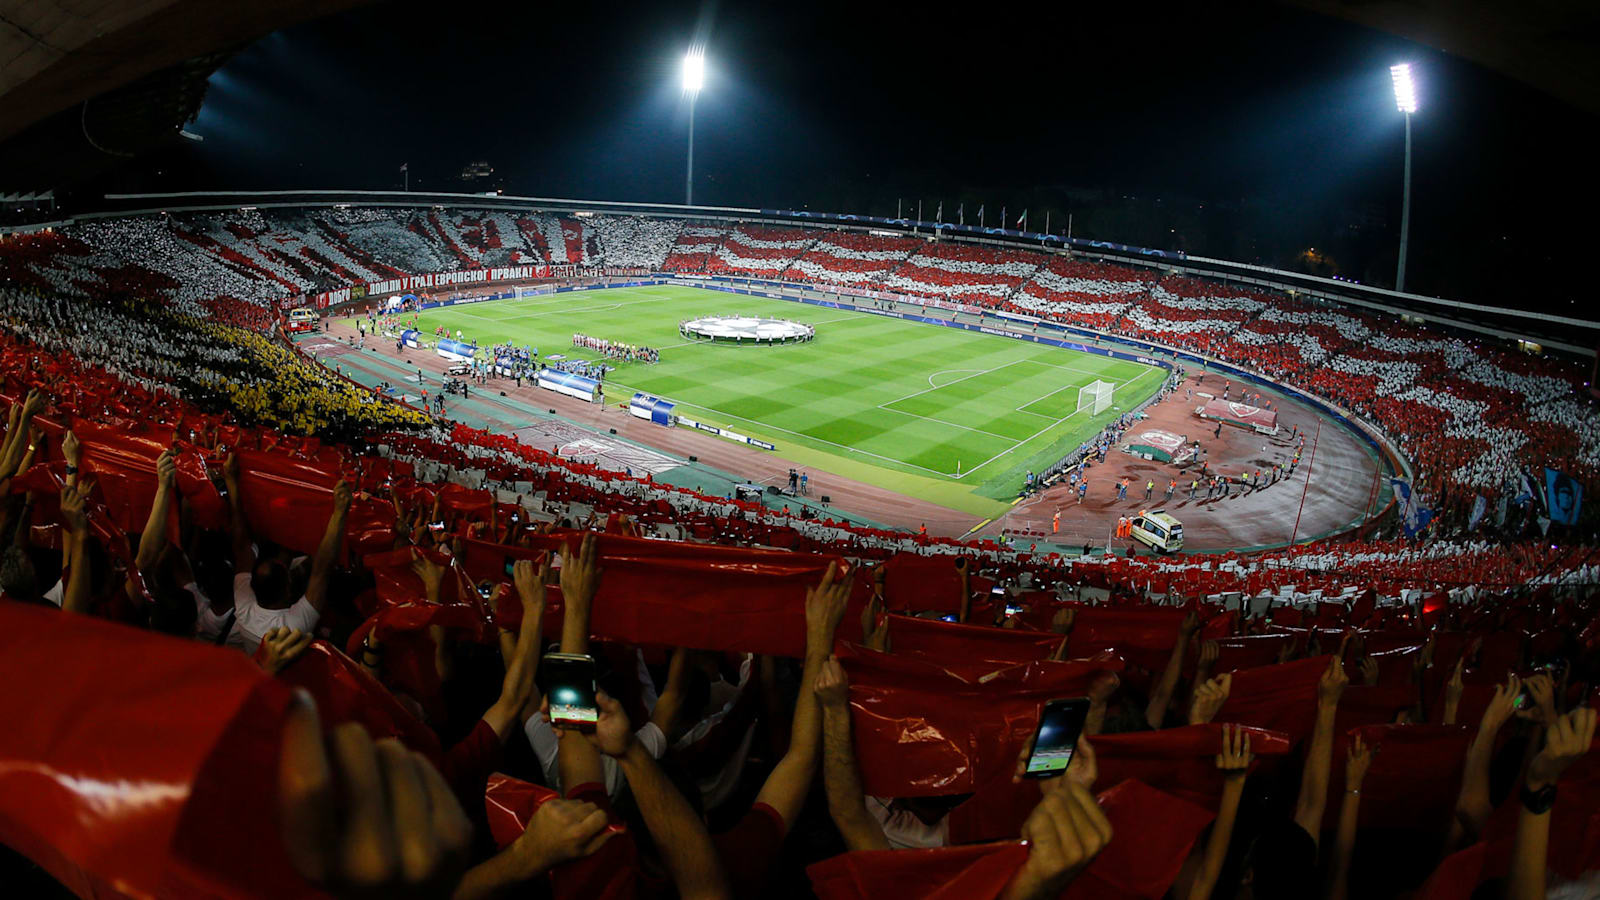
{"type": "Point", "coordinates": [694, 77]}
{"type": "Point", "coordinates": [1405, 97]}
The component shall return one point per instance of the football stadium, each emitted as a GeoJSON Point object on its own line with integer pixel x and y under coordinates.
{"type": "Point", "coordinates": [1112, 495]}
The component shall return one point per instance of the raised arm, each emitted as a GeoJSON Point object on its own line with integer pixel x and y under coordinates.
{"type": "Point", "coordinates": [154, 537]}
{"type": "Point", "coordinates": [847, 802]}
{"type": "Point", "coordinates": [18, 431]}
{"type": "Point", "coordinates": [577, 760]}
{"type": "Point", "coordinates": [1344, 847]}
{"type": "Point", "coordinates": [964, 575]}
{"type": "Point", "coordinates": [74, 499]}
{"type": "Point", "coordinates": [1473, 804]}
{"type": "Point", "coordinates": [244, 554]}
{"type": "Point", "coordinates": [665, 714]}
{"type": "Point", "coordinates": [1234, 764]}
{"type": "Point", "coordinates": [679, 834]}
{"type": "Point", "coordinates": [328, 550]}
{"type": "Point", "coordinates": [517, 686]}
{"type": "Point", "coordinates": [1313, 798]}
{"type": "Point", "coordinates": [1161, 695]}
{"type": "Point", "coordinates": [786, 788]}
{"type": "Point", "coordinates": [1566, 740]}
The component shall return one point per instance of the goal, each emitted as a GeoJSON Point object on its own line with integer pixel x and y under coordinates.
{"type": "Point", "coordinates": [1096, 397]}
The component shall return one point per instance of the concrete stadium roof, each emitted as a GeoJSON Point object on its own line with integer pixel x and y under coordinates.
{"type": "Point", "coordinates": [57, 53]}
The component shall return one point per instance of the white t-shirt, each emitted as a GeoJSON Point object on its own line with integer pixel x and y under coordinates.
{"type": "Point", "coordinates": [546, 745]}
{"type": "Point", "coordinates": [251, 621]}
{"type": "Point", "coordinates": [207, 624]}
{"type": "Point", "coordinates": [903, 830]}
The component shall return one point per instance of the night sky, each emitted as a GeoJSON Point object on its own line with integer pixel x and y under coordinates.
{"type": "Point", "coordinates": [1251, 131]}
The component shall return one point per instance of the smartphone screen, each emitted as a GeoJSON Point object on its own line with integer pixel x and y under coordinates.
{"type": "Point", "coordinates": [511, 563]}
{"type": "Point", "coordinates": [949, 618]}
{"type": "Point", "coordinates": [1057, 736]}
{"type": "Point", "coordinates": [1012, 610]}
{"type": "Point", "coordinates": [569, 683]}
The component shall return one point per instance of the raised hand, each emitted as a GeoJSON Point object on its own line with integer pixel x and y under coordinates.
{"type": "Point", "coordinates": [1234, 760]}
{"type": "Point", "coordinates": [580, 574]}
{"type": "Point", "coordinates": [1209, 698]}
{"type": "Point", "coordinates": [1501, 706]}
{"type": "Point", "coordinates": [283, 646]}
{"type": "Point", "coordinates": [1332, 684]}
{"type": "Point", "coordinates": [1566, 740]}
{"type": "Point", "coordinates": [825, 603]}
{"type": "Point", "coordinates": [373, 820]}
{"type": "Point", "coordinates": [530, 581]}
{"type": "Point", "coordinates": [431, 573]}
{"type": "Point", "coordinates": [613, 733]}
{"type": "Point", "coordinates": [561, 831]}
{"type": "Point", "coordinates": [1543, 691]}
{"type": "Point", "coordinates": [1084, 770]}
{"type": "Point", "coordinates": [1359, 757]}
{"type": "Point", "coordinates": [1369, 671]}
{"type": "Point", "coordinates": [1209, 652]}
{"type": "Point", "coordinates": [833, 686]}
{"type": "Point", "coordinates": [1064, 833]}
{"type": "Point", "coordinates": [1063, 620]}
{"type": "Point", "coordinates": [71, 451]}
{"type": "Point", "coordinates": [166, 467]}
{"type": "Point", "coordinates": [74, 505]}
{"type": "Point", "coordinates": [1189, 625]}
{"type": "Point", "coordinates": [341, 497]}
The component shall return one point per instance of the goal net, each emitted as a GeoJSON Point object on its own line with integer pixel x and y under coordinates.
{"type": "Point", "coordinates": [1095, 397]}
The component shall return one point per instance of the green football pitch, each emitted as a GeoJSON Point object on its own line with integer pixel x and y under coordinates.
{"type": "Point", "coordinates": [952, 416]}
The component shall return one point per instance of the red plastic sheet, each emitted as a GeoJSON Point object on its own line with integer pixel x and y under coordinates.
{"type": "Point", "coordinates": [288, 501]}
{"type": "Point", "coordinates": [1280, 697]}
{"type": "Point", "coordinates": [1414, 777]}
{"type": "Point", "coordinates": [346, 693]}
{"type": "Point", "coordinates": [924, 730]}
{"type": "Point", "coordinates": [1152, 834]}
{"type": "Point", "coordinates": [689, 595]}
{"type": "Point", "coordinates": [1143, 636]}
{"type": "Point", "coordinates": [106, 738]}
{"type": "Point", "coordinates": [919, 583]}
{"type": "Point", "coordinates": [971, 649]}
{"type": "Point", "coordinates": [1180, 761]}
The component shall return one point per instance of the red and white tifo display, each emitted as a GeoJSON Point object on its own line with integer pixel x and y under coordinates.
{"type": "Point", "coordinates": [746, 330]}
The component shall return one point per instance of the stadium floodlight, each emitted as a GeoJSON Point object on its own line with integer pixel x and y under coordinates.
{"type": "Point", "coordinates": [694, 78]}
{"type": "Point", "coordinates": [694, 71]}
{"type": "Point", "coordinates": [1405, 90]}
{"type": "Point", "coordinates": [1405, 98]}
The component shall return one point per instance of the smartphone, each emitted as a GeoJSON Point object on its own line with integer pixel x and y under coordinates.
{"type": "Point", "coordinates": [1056, 738]}
{"type": "Point", "coordinates": [511, 564]}
{"type": "Point", "coordinates": [950, 618]}
{"type": "Point", "coordinates": [1012, 610]}
{"type": "Point", "coordinates": [568, 680]}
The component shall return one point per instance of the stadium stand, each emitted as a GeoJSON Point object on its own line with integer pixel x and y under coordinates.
{"type": "Point", "coordinates": [980, 275]}
{"type": "Point", "coordinates": [1470, 416]}
{"type": "Point", "coordinates": [145, 393]}
{"type": "Point", "coordinates": [846, 258]}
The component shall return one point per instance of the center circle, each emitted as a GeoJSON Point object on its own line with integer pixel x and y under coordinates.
{"type": "Point", "coordinates": [746, 330]}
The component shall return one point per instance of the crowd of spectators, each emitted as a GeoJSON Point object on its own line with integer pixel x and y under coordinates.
{"type": "Point", "coordinates": [786, 706]}
{"type": "Point", "coordinates": [1469, 415]}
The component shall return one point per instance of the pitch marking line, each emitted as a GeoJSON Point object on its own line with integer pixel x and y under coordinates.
{"type": "Point", "coordinates": [1046, 428]}
{"type": "Point", "coordinates": [947, 372]}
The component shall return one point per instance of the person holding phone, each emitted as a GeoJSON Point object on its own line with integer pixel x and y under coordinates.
{"type": "Point", "coordinates": [678, 834]}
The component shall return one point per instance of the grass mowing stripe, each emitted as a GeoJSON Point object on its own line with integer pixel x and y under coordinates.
{"type": "Point", "coordinates": [875, 398]}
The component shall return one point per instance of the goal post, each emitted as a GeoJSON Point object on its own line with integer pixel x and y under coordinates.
{"type": "Point", "coordinates": [1096, 397]}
